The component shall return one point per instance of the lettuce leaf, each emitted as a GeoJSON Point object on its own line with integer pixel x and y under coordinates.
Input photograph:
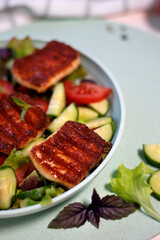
{"type": "Point", "coordinates": [15, 159]}
{"type": "Point", "coordinates": [131, 185]}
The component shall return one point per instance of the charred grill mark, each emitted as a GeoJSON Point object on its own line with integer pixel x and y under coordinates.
{"type": "Point", "coordinates": [14, 132]}
{"type": "Point", "coordinates": [67, 156]}
{"type": "Point", "coordinates": [80, 141]}
{"type": "Point", "coordinates": [71, 150]}
{"type": "Point", "coordinates": [54, 164]}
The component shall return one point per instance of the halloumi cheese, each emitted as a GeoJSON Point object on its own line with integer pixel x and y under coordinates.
{"type": "Point", "coordinates": [68, 155]}
{"type": "Point", "coordinates": [45, 67]}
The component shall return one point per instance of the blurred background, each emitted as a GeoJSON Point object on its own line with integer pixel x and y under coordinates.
{"type": "Point", "coordinates": [143, 14]}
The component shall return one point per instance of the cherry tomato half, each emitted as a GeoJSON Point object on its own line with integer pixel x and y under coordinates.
{"type": "Point", "coordinates": [23, 171]}
{"type": "Point", "coordinates": [5, 89]}
{"type": "Point", "coordinates": [85, 92]}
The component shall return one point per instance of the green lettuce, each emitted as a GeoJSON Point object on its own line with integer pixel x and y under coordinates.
{"type": "Point", "coordinates": [131, 185]}
{"type": "Point", "coordinates": [15, 159]}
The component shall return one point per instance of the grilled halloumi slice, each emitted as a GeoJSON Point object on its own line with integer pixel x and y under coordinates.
{"type": "Point", "coordinates": [69, 154]}
{"type": "Point", "coordinates": [45, 67]}
{"type": "Point", "coordinates": [14, 132]}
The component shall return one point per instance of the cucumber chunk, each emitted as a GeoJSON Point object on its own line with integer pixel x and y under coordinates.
{"type": "Point", "coordinates": [58, 100]}
{"type": "Point", "coordinates": [8, 185]}
{"type": "Point", "coordinates": [69, 113]}
{"type": "Point", "coordinates": [152, 153]}
{"type": "Point", "coordinates": [102, 107]}
{"type": "Point", "coordinates": [86, 114]}
{"type": "Point", "coordinates": [106, 131]}
{"type": "Point", "coordinates": [98, 122]}
{"type": "Point", "coordinates": [26, 150]}
{"type": "Point", "coordinates": [155, 184]}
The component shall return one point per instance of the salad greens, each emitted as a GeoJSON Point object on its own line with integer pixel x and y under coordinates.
{"type": "Point", "coordinates": [131, 185]}
{"type": "Point", "coordinates": [15, 159]}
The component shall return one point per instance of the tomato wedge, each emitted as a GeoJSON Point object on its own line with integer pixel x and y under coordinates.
{"type": "Point", "coordinates": [5, 89]}
{"type": "Point", "coordinates": [85, 92]}
{"type": "Point", "coordinates": [23, 171]}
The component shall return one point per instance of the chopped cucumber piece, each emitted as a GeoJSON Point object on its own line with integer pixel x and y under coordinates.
{"type": "Point", "coordinates": [86, 114]}
{"type": "Point", "coordinates": [98, 122]}
{"type": "Point", "coordinates": [69, 113]}
{"type": "Point", "coordinates": [26, 150]}
{"type": "Point", "coordinates": [58, 100]}
{"type": "Point", "coordinates": [8, 185]}
{"type": "Point", "coordinates": [101, 107]}
{"type": "Point", "coordinates": [152, 153]}
{"type": "Point", "coordinates": [155, 184]}
{"type": "Point", "coordinates": [106, 131]}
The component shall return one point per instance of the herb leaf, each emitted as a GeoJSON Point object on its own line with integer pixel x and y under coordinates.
{"type": "Point", "coordinates": [74, 215]}
{"type": "Point", "coordinates": [113, 207]}
{"type": "Point", "coordinates": [93, 209]}
{"type": "Point", "coordinates": [131, 185]}
{"type": "Point", "coordinates": [24, 106]}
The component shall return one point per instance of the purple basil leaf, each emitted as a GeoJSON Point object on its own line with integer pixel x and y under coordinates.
{"type": "Point", "coordinates": [74, 215]}
{"type": "Point", "coordinates": [114, 207]}
{"type": "Point", "coordinates": [93, 209]}
{"type": "Point", "coordinates": [94, 217]}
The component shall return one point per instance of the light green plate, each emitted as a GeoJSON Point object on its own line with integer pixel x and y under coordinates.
{"type": "Point", "coordinates": [134, 63]}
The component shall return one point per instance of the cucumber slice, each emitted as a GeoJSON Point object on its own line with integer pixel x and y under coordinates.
{"type": "Point", "coordinates": [102, 107]}
{"type": "Point", "coordinates": [106, 131]}
{"type": "Point", "coordinates": [86, 114]}
{"type": "Point", "coordinates": [26, 150]}
{"type": "Point", "coordinates": [8, 185]}
{"type": "Point", "coordinates": [98, 122]}
{"type": "Point", "coordinates": [152, 153]}
{"type": "Point", "coordinates": [34, 194]}
{"type": "Point", "coordinates": [58, 100]}
{"type": "Point", "coordinates": [69, 113]}
{"type": "Point", "coordinates": [155, 184]}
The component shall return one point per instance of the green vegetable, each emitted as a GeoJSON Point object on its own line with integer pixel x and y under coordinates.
{"type": "Point", "coordinates": [15, 159]}
{"type": "Point", "coordinates": [42, 195]}
{"type": "Point", "coordinates": [21, 48]}
{"type": "Point", "coordinates": [152, 153]}
{"type": "Point", "coordinates": [154, 182]}
{"type": "Point", "coordinates": [131, 185]}
{"type": "Point", "coordinates": [1, 89]}
{"type": "Point", "coordinates": [78, 73]}
{"type": "Point", "coordinates": [8, 185]}
{"type": "Point", "coordinates": [22, 104]}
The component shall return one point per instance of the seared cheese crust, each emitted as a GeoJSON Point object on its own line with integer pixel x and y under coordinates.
{"type": "Point", "coordinates": [15, 133]}
{"type": "Point", "coordinates": [68, 155]}
{"type": "Point", "coordinates": [46, 67]}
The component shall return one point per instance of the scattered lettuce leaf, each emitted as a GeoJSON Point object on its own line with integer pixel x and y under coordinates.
{"type": "Point", "coordinates": [15, 159]}
{"type": "Point", "coordinates": [131, 185]}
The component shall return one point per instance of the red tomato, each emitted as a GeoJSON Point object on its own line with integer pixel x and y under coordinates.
{"type": "Point", "coordinates": [23, 171]}
{"type": "Point", "coordinates": [5, 88]}
{"type": "Point", "coordinates": [85, 92]}
{"type": "Point", "coordinates": [2, 158]}
{"type": "Point", "coordinates": [42, 103]}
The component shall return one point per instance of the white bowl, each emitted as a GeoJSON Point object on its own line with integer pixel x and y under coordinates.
{"type": "Point", "coordinates": [102, 75]}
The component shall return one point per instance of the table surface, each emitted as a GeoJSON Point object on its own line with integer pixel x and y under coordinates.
{"type": "Point", "coordinates": [134, 62]}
